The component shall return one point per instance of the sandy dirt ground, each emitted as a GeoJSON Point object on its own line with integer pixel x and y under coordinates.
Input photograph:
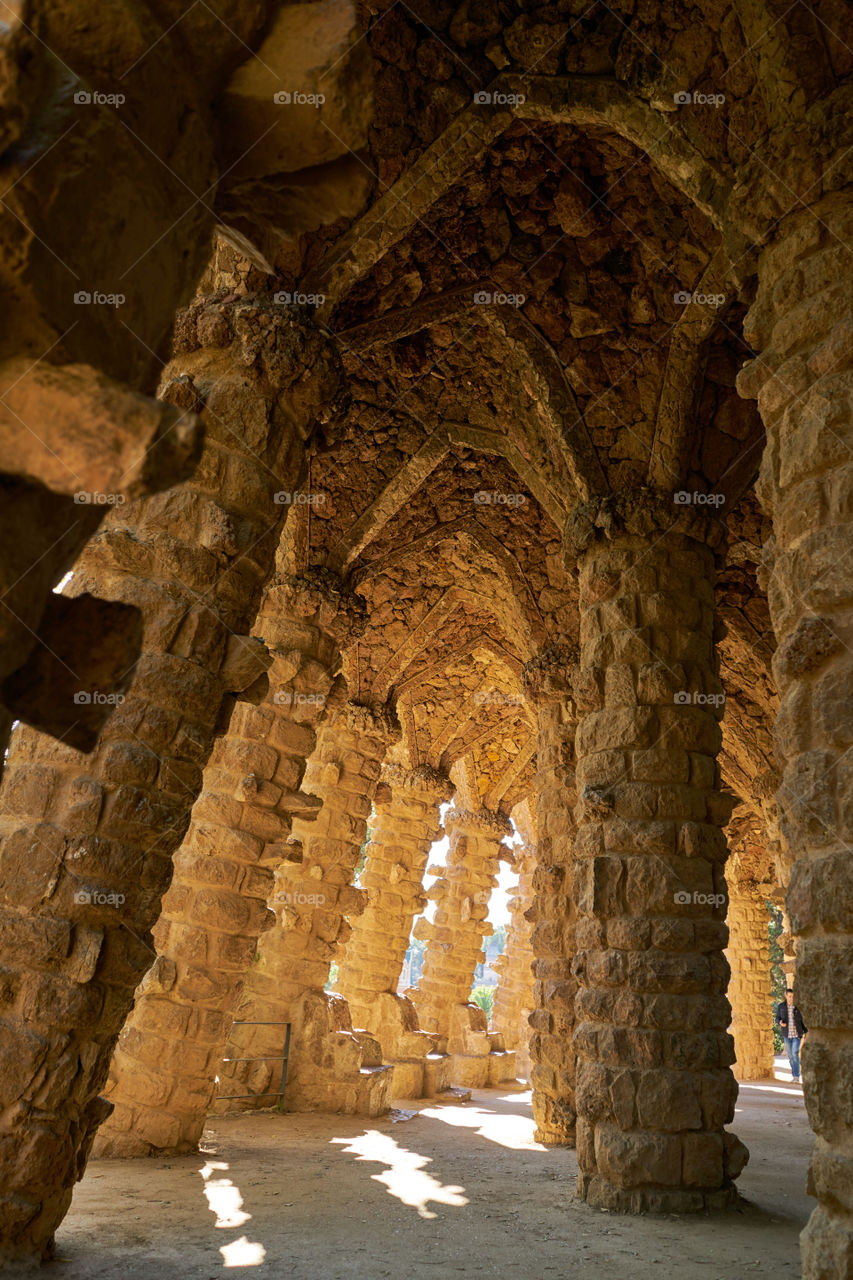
{"type": "Point", "coordinates": [451, 1190]}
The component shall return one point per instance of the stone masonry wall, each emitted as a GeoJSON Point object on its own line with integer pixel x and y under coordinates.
{"type": "Point", "coordinates": [654, 1085]}
{"type": "Point", "coordinates": [801, 324]}
{"type": "Point", "coordinates": [404, 827]}
{"type": "Point", "coordinates": [312, 899]}
{"type": "Point", "coordinates": [547, 684]}
{"type": "Point", "coordinates": [750, 991]}
{"type": "Point", "coordinates": [455, 937]}
{"type": "Point", "coordinates": [513, 1003]}
{"type": "Point", "coordinates": [162, 1077]}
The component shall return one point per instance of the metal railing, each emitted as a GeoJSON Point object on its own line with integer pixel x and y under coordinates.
{"type": "Point", "coordinates": [282, 1058]}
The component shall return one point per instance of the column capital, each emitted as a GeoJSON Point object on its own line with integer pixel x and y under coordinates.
{"type": "Point", "coordinates": [423, 778]}
{"type": "Point", "coordinates": [319, 596]}
{"type": "Point", "coordinates": [642, 513]}
{"type": "Point", "coordinates": [480, 822]}
{"type": "Point", "coordinates": [797, 173]}
{"type": "Point", "coordinates": [377, 721]}
{"type": "Point", "coordinates": [548, 675]}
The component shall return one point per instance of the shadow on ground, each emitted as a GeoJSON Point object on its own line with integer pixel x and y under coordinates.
{"type": "Point", "coordinates": [438, 1191]}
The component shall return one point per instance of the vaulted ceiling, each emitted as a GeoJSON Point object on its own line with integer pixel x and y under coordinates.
{"type": "Point", "coordinates": [538, 304]}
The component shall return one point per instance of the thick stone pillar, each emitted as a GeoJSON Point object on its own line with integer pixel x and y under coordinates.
{"type": "Point", "coordinates": [312, 898]}
{"type": "Point", "coordinates": [801, 324]}
{"type": "Point", "coordinates": [87, 841]}
{"type": "Point", "coordinates": [654, 1085]}
{"type": "Point", "coordinates": [162, 1077]}
{"type": "Point", "coordinates": [750, 987]}
{"type": "Point", "coordinates": [514, 995]}
{"type": "Point", "coordinates": [547, 685]}
{"type": "Point", "coordinates": [455, 939]}
{"type": "Point", "coordinates": [405, 824]}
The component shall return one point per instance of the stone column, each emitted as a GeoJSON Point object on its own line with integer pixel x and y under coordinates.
{"type": "Point", "coordinates": [514, 996]}
{"type": "Point", "coordinates": [406, 823]}
{"type": "Point", "coordinates": [801, 323]}
{"type": "Point", "coordinates": [312, 898]}
{"type": "Point", "coordinates": [87, 840]}
{"type": "Point", "coordinates": [455, 939]}
{"type": "Point", "coordinates": [162, 1077]}
{"type": "Point", "coordinates": [547, 684]}
{"type": "Point", "coordinates": [654, 1085]}
{"type": "Point", "coordinates": [750, 988]}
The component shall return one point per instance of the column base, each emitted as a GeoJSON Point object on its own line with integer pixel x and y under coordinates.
{"type": "Point", "coordinates": [827, 1243]}
{"type": "Point", "coordinates": [478, 1057]}
{"type": "Point", "coordinates": [438, 1070]}
{"type": "Point", "coordinates": [468, 1072]}
{"type": "Point", "coordinates": [167, 1140]}
{"type": "Point", "coordinates": [331, 1067]}
{"type": "Point", "coordinates": [488, 1071]}
{"type": "Point", "coordinates": [557, 1137]}
{"type": "Point", "coordinates": [600, 1194]}
{"type": "Point", "coordinates": [393, 1020]}
{"type": "Point", "coordinates": [502, 1067]}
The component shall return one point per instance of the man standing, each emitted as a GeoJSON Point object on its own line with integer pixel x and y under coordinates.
{"type": "Point", "coordinates": [790, 1023]}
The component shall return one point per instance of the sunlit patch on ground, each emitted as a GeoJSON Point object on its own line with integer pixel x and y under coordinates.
{"type": "Point", "coordinates": [405, 1177]}
{"type": "Point", "coordinates": [226, 1202]}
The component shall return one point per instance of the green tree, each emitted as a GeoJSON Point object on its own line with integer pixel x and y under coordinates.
{"type": "Point", "coordinates": [362, 857]}
{"type": "Point", "coordinates": [485, 998]}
